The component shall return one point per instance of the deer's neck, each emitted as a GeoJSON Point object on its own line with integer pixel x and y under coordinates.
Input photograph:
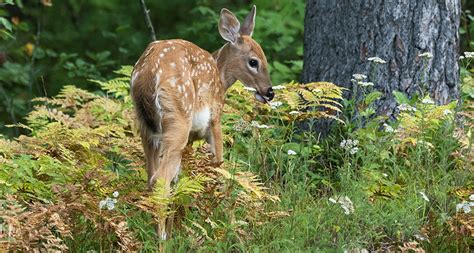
{"type": "Point", "coordinates": [221, 57]}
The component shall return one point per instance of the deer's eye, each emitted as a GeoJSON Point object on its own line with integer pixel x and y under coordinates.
{"type": "Point", "coordinates": [253, 63]}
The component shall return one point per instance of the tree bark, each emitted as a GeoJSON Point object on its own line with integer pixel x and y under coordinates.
{"type": "Point", "coordinates": [340, 36]}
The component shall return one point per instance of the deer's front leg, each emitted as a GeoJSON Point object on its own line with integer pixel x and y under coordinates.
{"type": "Point", "coordinates": [216, 140]}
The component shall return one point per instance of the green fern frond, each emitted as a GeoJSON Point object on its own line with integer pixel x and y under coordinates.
{"type": "Point", "coordinates": [125, 70]}
{"type": "Point", "coordinates": [188, 186]}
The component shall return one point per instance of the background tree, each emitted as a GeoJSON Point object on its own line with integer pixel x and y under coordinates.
{"type": "Point", "coordinates": [340, 37]}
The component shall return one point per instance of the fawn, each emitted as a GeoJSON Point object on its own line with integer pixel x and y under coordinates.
{"type": "Point", "coordinates": [179, 89]}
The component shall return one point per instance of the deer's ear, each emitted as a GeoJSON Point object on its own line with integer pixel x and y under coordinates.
{"type": "Point", "coordinates": [249, 22]}
{"type": "Point", "coordinates": [229, 26]}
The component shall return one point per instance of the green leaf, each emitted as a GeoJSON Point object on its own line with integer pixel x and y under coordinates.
{"type": "Point", "coordinates": [401, 98]}
{"type": "Point", "coordinates": [371, 97]}
{"type": "Point", "coordinates": [6, 23]}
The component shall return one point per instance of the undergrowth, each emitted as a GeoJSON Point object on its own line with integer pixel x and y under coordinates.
{"type": "Point", "coordinates": [76, 182]}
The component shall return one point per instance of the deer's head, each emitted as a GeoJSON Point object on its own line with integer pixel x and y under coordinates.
{"type": "Point", "coordinates": [244, 58]}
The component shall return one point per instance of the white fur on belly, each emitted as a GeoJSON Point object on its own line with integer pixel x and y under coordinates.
{"type": "Point", "coordinates": [201, 120]}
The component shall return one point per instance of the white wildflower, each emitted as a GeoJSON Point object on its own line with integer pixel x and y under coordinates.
{"type": "Point", "coordinates": [426, 55]}
{"type": "Point", "coordinates": [377, 60]}
{"type": "Point", "coordinates": [425, 143]}
{"type": "Point", "coordinates": [359, 77]}
{"type": "Point", "coordinates": [257, 125]}
{"type": "Point", "coordinates": [471, 197]}
{"type": "Point", "coordinates": [108, 203]}
{"type": "Point", "coordinates": [466, 208]}
{"type": "Point", "coordinates": [350, 145]}
{"type": "Point", "coordinates": [384, 174]}
{"type": "Point", "coordinates": [291, 152]}
{"type": "Point", "coordinates": [249, 89]}
{"type": "Point", "coordinates": [447, 112]}
{"type": "Point", "coordinates": [469, 54]}
{"type": "Point", "coordinates": [388, 128]}
{"type": "Point", "coordinates": [459, 206]}
{"type": "Point", "coordinates": [354, 150]}
{"type": "Point", "coordinates": [427, 101]}
{"type": "Point", "coordinates": [423, 195]}
{"type": "Point", "coordinates": [406, 108]}
{"type": "Point", "coordinates": [366, 84]}
{"type": "Point", "coordinates": [102, 204]}
{"type": "Point", "coordinates": [420, 237]}
{"type": "Point", "coordinates": [343, 144]}
{"type": "Point", "coordinates": [278, 87]}
{"type": "Point", "coordinates": [345, 203]}
{"type": "Point", "coordinates": [461, 57]}
{"type": "Point", "coordinates": [294, 112]}
{"type": "Point", "coordinates": [274, 104]}
{"type": "Point", "coordinates": [115, 194]}
{"type": "Point", "coordinates": [111, 204]}
{"type": "Point", "coordinates": [241, 126]}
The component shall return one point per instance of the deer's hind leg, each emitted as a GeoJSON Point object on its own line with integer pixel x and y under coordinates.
{"type": "Point", "coordinates": [152, 147]}
{"type": "Point", "coordinates": [173, 142]}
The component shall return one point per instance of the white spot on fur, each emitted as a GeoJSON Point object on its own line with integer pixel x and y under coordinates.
{"type": "Point", "coordinates": [173, 65]}
{"type": "Point", "coordinates": [173, 81]}
{"type": "Point", "coordinates": [161, 55]}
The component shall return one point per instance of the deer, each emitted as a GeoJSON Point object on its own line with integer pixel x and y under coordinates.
{"type": "Point", "coordinates": [178, 90]}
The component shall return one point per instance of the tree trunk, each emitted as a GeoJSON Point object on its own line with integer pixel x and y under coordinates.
{"type": "Point", "coordinates": [341, 35]}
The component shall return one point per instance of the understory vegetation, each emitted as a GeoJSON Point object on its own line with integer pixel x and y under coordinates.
{"type": "Point", "coordinates": [76, 181]}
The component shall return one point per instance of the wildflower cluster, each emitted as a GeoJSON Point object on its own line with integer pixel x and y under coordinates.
{"type": "Point", "coordinates": [291, 152]}
{"type": "Point", "coordinates": [345, 203]}
{"type": "Point", "coordinates": [427, 101]}
{"type": "Point", "coordinates": [447, 112]}
{"type": "Point", "coordinates": [294, 112]}
{"type": "Point", "coordinates": [109, 203]}
{"type": "Point", "coordinates": [406, 108]}
{"type": "Point", "coordinates": [467, 55]}
{"type": "Point", "coordinates": [377, 60]}
{"type": "Point", "coordinates": [274, 104]}
{"type": "Point", "coordinates": [465, 206]}
{"type": "Point", "coordinates": [426, 55]}
{"type": "Point", "coordinates": [388, 128]}
{"type": "Point", "coordinates": [350, 145]}
{"type": "Point", "coordinates": [258, 125]}
{"type": "Point", "coordinates": [359, 77]}
{"type": "Point", "coordinates": [278, 87]}
{"type": "Point", "coordinates": [366, 84]}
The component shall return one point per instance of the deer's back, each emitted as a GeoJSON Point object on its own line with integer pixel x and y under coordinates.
{"type": "Point", "coordinates": [175, 80]}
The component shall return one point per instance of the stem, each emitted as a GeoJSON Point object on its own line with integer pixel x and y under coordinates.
{"type": "Point", "coordinates": [32, 59]}
{"type": "Point", "coordinates": [146, 12]}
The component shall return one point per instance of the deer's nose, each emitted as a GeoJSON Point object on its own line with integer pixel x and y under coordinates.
{"type": "Point", "coordinates": [270, 93]}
